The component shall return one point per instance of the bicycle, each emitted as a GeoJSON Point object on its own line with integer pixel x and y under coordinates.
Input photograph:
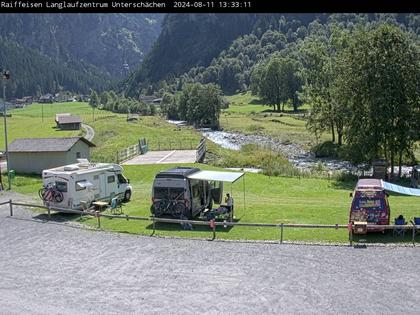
{"type": "Point", "coordinates": [173, 207]}
{"type": "Point", "coordinates": [50, 193]}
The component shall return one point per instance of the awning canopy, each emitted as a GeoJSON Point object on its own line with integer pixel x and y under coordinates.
{"type": "Point", "coordinates": [401, 189]}
{"type": "Point", "coordinates": [84, 184]}
{"type": "Point", "coordinates": [230, 177]}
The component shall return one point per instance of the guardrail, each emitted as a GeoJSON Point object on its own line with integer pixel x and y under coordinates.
{"type": "Point", "coordinates": [212, 224]}
{"type": "Point", "coordinates": [173, 145]}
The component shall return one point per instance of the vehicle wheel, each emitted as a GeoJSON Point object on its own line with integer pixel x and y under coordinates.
{"type": "Point", "coordinates": [178, 209]}
{"type": "Point", "coordinates": [127, 195]}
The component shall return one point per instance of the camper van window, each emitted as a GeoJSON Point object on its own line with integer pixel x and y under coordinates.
{"type": "Point", "coordinates": [80, 186]}
{"type": "Point", "coordinates": [111, 179]}
{"type": "Point", "coordinates": [61, 186]}
{"type": "Point", "coordinates": [196, 189]}
{"type": "Point", "coordinates": [168, 193]}
{"type": "Point", "coordinates": [161, 192]}
{"type": "Point", "coordinates": [121, 179]}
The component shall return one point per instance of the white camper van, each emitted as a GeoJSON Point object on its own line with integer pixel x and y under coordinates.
{"type": "Point", "coordinates": [70, 185]}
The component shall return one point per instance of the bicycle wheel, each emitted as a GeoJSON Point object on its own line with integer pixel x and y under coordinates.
{"type": "Point", "coordinates": [178, 209]}
{"type": "Point", "coordinates": [42, 192]}
{"type": "Point", "coordinates": [158, 208]}
{"type": "Point", "coordinates": [48, 195]}
{"type": "Point", "coordinates": [58, 196]}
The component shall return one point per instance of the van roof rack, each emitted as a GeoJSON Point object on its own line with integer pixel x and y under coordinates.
{"type": "Point", "coordinates": [178, 172]}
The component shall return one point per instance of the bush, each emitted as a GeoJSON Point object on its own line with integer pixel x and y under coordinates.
{"type": "Point", "coordinates": [326, 149]}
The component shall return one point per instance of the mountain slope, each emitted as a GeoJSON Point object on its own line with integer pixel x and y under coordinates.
{"type": "Point", "coordinates": [33, 73]}
{"type": "Point", "coordinates": [107, 41]}
{"type": "Point", "coordinates": [189, 40]}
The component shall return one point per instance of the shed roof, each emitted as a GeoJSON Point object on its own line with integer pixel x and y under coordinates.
{"type": "Point", "coordinates": [69, 119]}
{"type": "Point", "coordinates": [46, 144]}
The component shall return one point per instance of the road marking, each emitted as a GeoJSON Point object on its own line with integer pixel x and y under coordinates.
{"type": "Point", "coordinates": [165, 157]}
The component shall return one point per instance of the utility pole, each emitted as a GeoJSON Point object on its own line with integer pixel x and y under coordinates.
{"type": "Point", "coordinates": [5, 77]}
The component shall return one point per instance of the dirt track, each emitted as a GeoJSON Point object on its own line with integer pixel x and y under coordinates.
{"type": "Point", "coordinates": [58, 268]}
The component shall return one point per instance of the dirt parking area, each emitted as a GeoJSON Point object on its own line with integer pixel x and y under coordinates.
{"type": "Point", "coordinates": [61, 268]}
{"type": "Point", "coordinates": [164, 157]}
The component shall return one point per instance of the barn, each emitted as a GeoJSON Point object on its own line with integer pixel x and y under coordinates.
{"type": "Point", "coordinates": [33, 155]}
{"type": "Point", "coordinates": [68, 122]}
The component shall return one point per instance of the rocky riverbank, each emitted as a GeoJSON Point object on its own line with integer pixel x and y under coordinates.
{"type": "Point", "coordinates": [294, 152]}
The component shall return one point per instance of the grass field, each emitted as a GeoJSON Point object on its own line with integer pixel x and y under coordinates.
{"type": "Point", "coordinates": [112, 131]}
{"type": "Point", "coordinates": [268, 200]}
{"type": "Point", "coordinates": [247, 115]}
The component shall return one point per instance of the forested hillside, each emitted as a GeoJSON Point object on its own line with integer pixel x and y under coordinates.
{"type": "Point", "coordinates": [36, 74]}
{"type": "Point", "coordinates": [95, 48]}
{"type": "Point", "coordinates": [217, 52]}
{"type": "Point", "coordinates": [191, 40]}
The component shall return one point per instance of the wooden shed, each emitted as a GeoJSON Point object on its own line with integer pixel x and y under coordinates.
{"type": "Point", "coordinates": [33, 155]}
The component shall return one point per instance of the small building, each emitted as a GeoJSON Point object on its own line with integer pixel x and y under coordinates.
{"type": "Point", "coordinates": [33, 155]}
{"type": "Point", "coordinates": [47, 98]}
{"type": "Point", "coordinates": [68, 121]}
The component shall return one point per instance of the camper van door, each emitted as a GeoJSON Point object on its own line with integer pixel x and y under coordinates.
{"type": "Point", "coordinates": [102, 186]}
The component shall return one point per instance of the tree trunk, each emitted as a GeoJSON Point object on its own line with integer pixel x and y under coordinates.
{"type": "Point", "coordinates": [332, 132]}
{"type": "Point", "coordinates": [400, 162]}
{"type": "Point", "coordinates": [392, 166]}
{"type": "Point", "coordinates": [340, 137]}
{"type": "Point", "coordinates": [294, 104]}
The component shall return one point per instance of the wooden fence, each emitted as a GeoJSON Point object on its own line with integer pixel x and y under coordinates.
{"type": "Point", "coordinates": [132, 151]}
{"type": "Point", "coordinates": [212, 224]}
{"type": "Point", "coordinates": [201, 150]}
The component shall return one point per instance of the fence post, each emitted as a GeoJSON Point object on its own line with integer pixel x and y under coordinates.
{"type": "Point", "coordinates": [350, 227]}
{"type": "Point", "coordinates": [49, 212]}
{"type": "Point", "coordinates": [170, 145]}
{"type": "Point", "coordinates": [154, 225]}
{"type": "Point", "coordinates": [414, 233]}
{"type": "Point", "coordinates": [118, 160]}
{"type": "Point", "coordinates": [213, 227]}
{"type": "Point", "coordinates": [99, 218]}
{"type": "Point", "coordinates": [281, 233]}
{"type": "Point", "coordinates": [11, 207]}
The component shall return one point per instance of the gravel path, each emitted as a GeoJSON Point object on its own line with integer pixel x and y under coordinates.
{"type": "Point", "coordinates": [58, 268]}
{"type": "Point", "coordinates": [90, 132]}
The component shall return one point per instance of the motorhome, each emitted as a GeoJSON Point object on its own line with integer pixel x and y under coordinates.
{"type": "Point", "coordinates": [369, 206]}
{"type": "Point", "coordinates": [75, 185]}
{"type": "Point", "coordinates": [415, 176]}
{"type": "Point", "coordinates": [175, 193]}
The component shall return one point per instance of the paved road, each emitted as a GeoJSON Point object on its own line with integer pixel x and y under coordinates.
{"type": "Point", "coordinates": [164, 157]}
{"type": "Point", "coordinates": [90, 133]}
{"type": "Point", "coordinates": [56, 268]}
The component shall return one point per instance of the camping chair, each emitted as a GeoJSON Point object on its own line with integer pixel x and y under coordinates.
{"type": "Point", "coordinates": [399, 230]}
{"type": "Point", "coordinates": [115, 207]}
{"type": "Point", "coordinates": [416, 221]}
